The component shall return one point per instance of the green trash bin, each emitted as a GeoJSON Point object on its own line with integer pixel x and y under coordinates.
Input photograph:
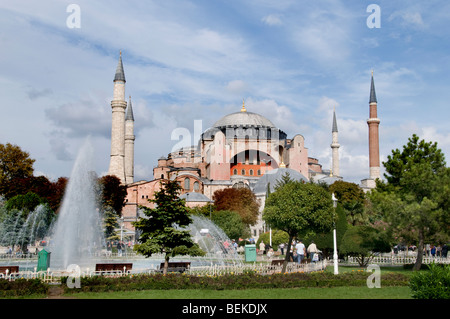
{"type": "Point", "coordinates": [250, 253]}
{"type": "Point", "coordinates": [43, 260]}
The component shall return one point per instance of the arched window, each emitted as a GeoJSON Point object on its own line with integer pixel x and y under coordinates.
{"type": "Point", "coordinates": [196, 186]}
{"type": "Point", "coordinates": [243, 172]}
{"type": "Point", "coordinates": [251, 172]}
{"type": "Point", "coordinates": [235, 171]}
{"type": "Point", "coordinates": [259, 172]}
{"type": "Point", "coordinates": [187, 183]}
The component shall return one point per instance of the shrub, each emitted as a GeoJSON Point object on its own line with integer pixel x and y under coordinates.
{"type": "Point", "coordinates": [22, 287]}
{"type": "Point", "coordinates": [247, 280]}
{"type": "Point", "coordinates": [432, 284]}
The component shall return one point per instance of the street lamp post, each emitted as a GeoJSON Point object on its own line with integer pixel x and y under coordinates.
{"type": "Point", "coordinates": [335, 254]}
{"type": "Point", "coordinates": [121, 228]}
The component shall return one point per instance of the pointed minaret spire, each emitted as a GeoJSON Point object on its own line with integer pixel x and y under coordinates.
{"type": "Point", "coordinates": [129, 116]}
{"type": "Point", "coordinates": [120, 74]}
{"type": "Point", "coordinates": [373, 96]}
{"type": "Point", "coordinates": [334, 129]}
{"type": "Point", "coordinates": [334, 171]}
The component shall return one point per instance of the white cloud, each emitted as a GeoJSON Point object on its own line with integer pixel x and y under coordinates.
{"type": "Point", "coordinates": [408, 19]}
{"type": "Point", "coordinates": [272, 20]}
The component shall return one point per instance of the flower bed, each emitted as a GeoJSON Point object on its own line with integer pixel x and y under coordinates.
{"type": "Point", "coordinates": [230, 281]}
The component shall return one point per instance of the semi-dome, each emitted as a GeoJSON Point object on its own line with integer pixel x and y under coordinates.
{"type": "Point", "coordinates": [274, 176]}
{"type": "Point", "coordinates": [245, 119]}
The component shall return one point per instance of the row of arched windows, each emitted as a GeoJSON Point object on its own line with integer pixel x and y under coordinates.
{"type": "Point", "coordinates": [250, 172]}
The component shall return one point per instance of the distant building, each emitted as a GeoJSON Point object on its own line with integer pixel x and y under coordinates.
{"type": "Point", "coordinates": [242, 149]}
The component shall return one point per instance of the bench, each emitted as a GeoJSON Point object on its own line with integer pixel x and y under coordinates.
{"type": "Point", "coordinates": [10, 269]}
{"type": "Point", "coordinates": [113, 267]}
{"type": "Point", "coordinates": [277, 262]}
{"type": "Point", "coordinates": [176, 266]}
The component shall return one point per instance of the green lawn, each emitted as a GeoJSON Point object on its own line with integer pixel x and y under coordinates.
{"type": "Point", "coordinates": [294, 293]}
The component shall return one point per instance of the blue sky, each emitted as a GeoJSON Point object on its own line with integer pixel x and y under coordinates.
{"type": "Point", "coordinates": [292, 61]}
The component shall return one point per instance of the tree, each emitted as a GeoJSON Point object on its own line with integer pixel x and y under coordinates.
{"type": "Point", "coordinates": [14, 163]}
{"type": "Point", "coordinates": [240, 200]}
{"type": "Point", "coordinates": [163, 227]}
{"type": "Point", "coordinates": [110, 223]}
{"type": "Point", "coordinates": [362, 241]}
{"type": "Point", "coordinates": [325, 241]}
{"type": "Point", "coordinates": [113, 193]}
{"type": "Point", "coordinates": [415, 196]}
{"type": "Point", "coordinates": [27, 202]}
{"type": "Point", "coordinates": [231, 223]}
{"type": "Point", "coordinates": [278, 237]}
{"type": "Point", "coordinates": [299, 209]}
{"type": "Point", "coordinates": [352, 199]}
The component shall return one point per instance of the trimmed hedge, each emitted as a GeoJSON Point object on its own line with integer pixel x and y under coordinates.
{"type": "Point", "coordinates": [245, 281]}
{"type": "Point", "coordinates": [22, 287]}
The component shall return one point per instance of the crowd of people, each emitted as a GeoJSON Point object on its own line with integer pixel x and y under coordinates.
{"type": "Point", "coordinates": [298, 251]}
{"type": "Point", "coordinates": [429, 250]}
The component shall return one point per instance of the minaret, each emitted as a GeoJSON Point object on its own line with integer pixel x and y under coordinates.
{"type": "Point", "coordinates": [118, 106]}
{"type": "Point", "coordinates": [335, 146]}
{"type": "Point", "coordinates": [129, 144]}
{"type": "Point", "coordinates": [373, 122]}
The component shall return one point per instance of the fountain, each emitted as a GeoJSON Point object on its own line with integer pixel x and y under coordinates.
{"type": "Point", "coordinates": [77, 232]}
{"type": "Point", "coordinates": [76, 236]}
{"type": "Point", "coordinates": [18, 233]}
{"type": "Point", "coordinates": [212, 239]}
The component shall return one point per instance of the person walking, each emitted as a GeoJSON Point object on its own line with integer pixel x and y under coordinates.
{"type": "Point", "coordinates": [119, 248]}
{"type": "Point", "coordinates": [433, 251]}
{"type": "Point", "coordinates": [300, 248]}
{"type": "Point", "coordinates": [281, 246]}
{"type": "Point", "coordinates": [444, 251]}
{"type": "Point", "coordinates": [262, 247]}
{"type": "Point", "coordinates": [312, 250]}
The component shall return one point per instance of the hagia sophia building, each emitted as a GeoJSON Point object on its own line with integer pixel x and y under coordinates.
{"type": "Point", "coordinates": [242, 149]}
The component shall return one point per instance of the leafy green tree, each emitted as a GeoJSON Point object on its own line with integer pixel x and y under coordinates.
{"type": "Point", "coordinates": [163, 229]}
{"type": "Point", "coordinates": [415, 196]}
{"type": "Point", "coordinates": [27, 202]}
{"type": "Point", "coordinates": [352, 199]}
{"type": "Point", "coordinates": [278, 237]}
{"type": "Point", "coordinates": [231, 223]}
{"type": "Point", "coordinates": [111, 195]}
{"type": "Point", "coordinates": [299, 209]}
{"type": "Point", "coordinates": [110, 223]}
{"type": "Point", "coordinates": [14, 163]}
{"type": "Point", "coordinates": [285, 179]}
{"type": "Point", "coordinates": [362, 241]}
{"type": "Point", "coordinates": [324, 241]}
{"type": "Point", "coordinates": [205, 210]}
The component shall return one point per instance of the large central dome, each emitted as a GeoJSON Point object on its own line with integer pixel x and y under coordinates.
{"type": "Point", "coordinates": [246, 119]}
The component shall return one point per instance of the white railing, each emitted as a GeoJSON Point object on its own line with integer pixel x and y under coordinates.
{"type": "Point", "coordinates": [260, 268]}
{"type": "Point", "coordinates": [54, 276]}
{"type": "Point", "coordinates": [400, 260]}
{"type": "Point", "coordinates": [46, 276]}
